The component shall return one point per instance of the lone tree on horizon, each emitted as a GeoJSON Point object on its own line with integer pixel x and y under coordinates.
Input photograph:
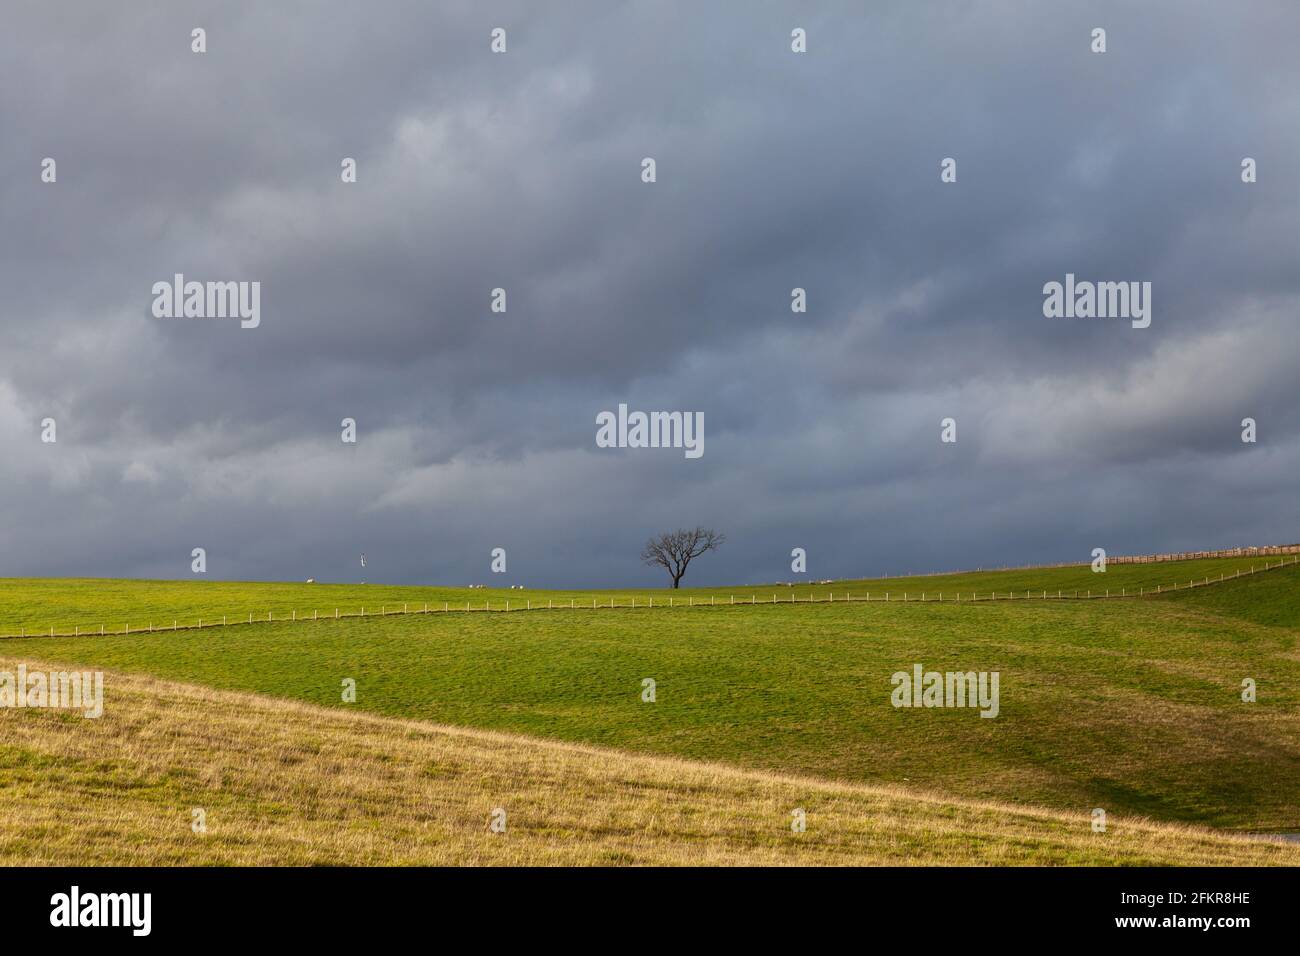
{"type": "Point", "coordinates": [674, 550]}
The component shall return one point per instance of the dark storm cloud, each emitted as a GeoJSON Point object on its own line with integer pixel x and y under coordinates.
{"type": "Point", "coordinates": [522, 171]}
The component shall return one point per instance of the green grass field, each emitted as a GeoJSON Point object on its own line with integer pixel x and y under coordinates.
{"type": "Point", "coordinates": [36, 604]}
{"type": "Point", "coordinates": [284, 783]}
{"type": "Point", "coordinates": [1134, 706]}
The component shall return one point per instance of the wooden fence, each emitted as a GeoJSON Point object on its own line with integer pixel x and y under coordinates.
{"type": "Point", "coordinates": [1273, 550]}
{"type": "Point", "coordinates": [674, 602]}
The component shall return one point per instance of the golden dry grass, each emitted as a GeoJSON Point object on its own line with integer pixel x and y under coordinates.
{"type": "Point", "coordinates": [288, 783]}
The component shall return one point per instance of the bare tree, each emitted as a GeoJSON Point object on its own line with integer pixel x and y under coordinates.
{"type": "Point", "coordinates": [674, 550]}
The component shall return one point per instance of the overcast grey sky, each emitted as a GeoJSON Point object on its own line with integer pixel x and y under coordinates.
{"type": "Point", "coordinates": [523, 170]}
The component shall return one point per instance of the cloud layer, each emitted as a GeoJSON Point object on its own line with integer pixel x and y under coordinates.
{"type": "Point", "coordinates": [775, 170]}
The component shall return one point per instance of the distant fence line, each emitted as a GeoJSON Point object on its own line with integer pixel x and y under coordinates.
{"type": "Point", "coordinates": [1272, 550]}
{"type": "Point", "coordinates": [1267, 551]}
{"type": "Point", "coordinates": [892, 597]}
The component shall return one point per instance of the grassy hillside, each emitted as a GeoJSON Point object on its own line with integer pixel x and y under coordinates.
{"type": "Point", "coordinates": [36, 604]}
{"type": "Point", "coordinates": [1133, 706]}
{"type": "Point", "coordinates": [284, 783]}
{"type": "Point", "coordinates": [1271, 599]}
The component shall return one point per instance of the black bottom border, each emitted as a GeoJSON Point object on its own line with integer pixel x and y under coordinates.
{"type": "Point", "coordinates": [944, 906]}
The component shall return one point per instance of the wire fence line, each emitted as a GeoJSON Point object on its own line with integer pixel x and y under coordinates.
{"type": "Point", "coordinates": [673, 602]}
{"type": "Point", "coordinates": [1259, 551]}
